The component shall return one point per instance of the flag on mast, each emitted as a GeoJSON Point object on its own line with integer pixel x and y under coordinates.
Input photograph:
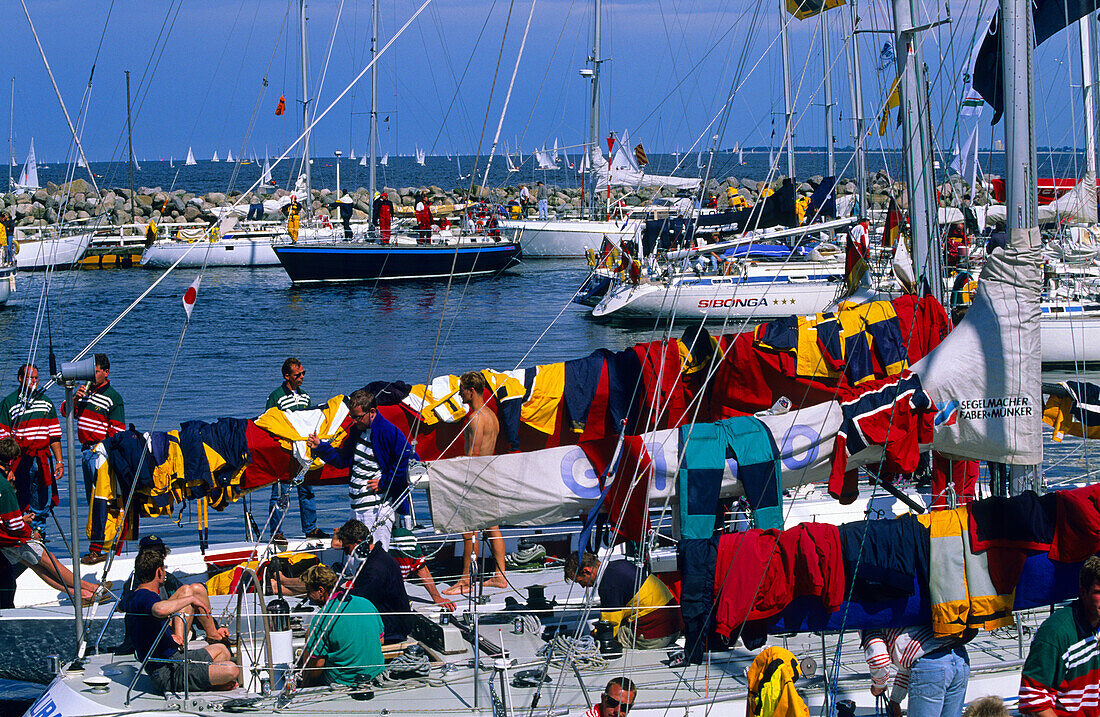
{"type": "Point", "coordinates": [191, 295]}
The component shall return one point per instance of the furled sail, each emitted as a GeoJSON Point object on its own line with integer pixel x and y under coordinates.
{"type": "Point", "coordinates": [623, 171]}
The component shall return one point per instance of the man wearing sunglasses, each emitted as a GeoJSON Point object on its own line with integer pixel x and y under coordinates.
{"type": "Point", "coordinates": [616, 700]}
{"type": "Point", "coordinates": [289, 396]}
{"type": "Point", "coordinates": [377, 454]}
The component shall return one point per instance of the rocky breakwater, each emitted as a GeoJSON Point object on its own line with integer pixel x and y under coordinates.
{"type": "Point", "coordinates": [78, 201]}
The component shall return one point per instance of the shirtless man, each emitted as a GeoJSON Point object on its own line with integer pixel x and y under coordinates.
{"type": "Point", "coordinates": [480, 435]}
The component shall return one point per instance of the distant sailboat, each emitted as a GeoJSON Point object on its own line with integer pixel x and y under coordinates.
{"type": "Point", "coordinates": [137, 165]}
{"type": "Point", "coordinates": [511, 167]}
{"type": "Point", "coordinates": [352, 156]}
{"type": "Point", "coordinates": [420, 156]}
{"type": "Point", "coordinates": [699, 164]}
{"type": "Point", "coordinates": [740, 156]}
{"type": "Point", "coordinates": [460, 174]}
{"type": "Point", "coordinates": [190, 157]}
{"type": "Point", "coordinates": [545, 160]}
{"type": "Point", "coordinates": [385, 161]}
{"type": "Point", "coordinates": [80, 162]}
{"type": "Point", "coordinates": [554, 155]}
{"type": "Point", "coordinates": [363, 161]}
{"type": "Point", "coordinates": [215, 157]}
{"type": "Point", "coordinates": [28, 178]}
{"type": "Point", "coordinates": [229, 156]}
{"type": "Point", "coordinates": [265, 176]}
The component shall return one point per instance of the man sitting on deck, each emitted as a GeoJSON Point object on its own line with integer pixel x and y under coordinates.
{"type": "Point", "coordinates": [206, 668]}
{"type": "Point", "coordinates": [345, 649]}
{"type": "Point", "coordinates": [378, 579]}
{"type": "Point", "coordinates": [643, 611]}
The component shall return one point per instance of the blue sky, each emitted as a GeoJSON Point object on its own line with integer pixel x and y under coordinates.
{"type": "Point", "coordinates": [197, 71]}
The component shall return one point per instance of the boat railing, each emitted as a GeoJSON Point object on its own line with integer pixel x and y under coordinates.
{"type": "Point", "coordinates": [64, 229]}
{"type": "Point", "coordinates": [149, 658]}
{"type": "Point", "coordinates": [110, 615]}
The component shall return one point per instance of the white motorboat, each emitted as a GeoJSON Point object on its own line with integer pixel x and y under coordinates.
{"type": "Point", "coordinates": [565, 238]}
{"type": "Point", "coordinates": [43, 251]}
{"type": "Point", "coordinates": [249, 249]}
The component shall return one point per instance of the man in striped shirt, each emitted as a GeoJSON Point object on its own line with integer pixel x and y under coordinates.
{"type": "Point", "coordinates": [289, 396]}
{"type": "Point", "coordinates": [934, 671]}
{"type": "Point", "coordinates": [31, 419]}
{"type": "Point", "coordinates": [1061, 675]}
{"type": "Point", "coordinates": [99, 414]}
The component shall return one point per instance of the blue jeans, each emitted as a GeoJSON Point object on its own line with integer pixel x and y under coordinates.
{"type": "Point", "coordinates": [542, 209]}
{"type": "Point", "coordinates": [306, 508]}
{"type": "Point", "coordinates": [87, 457]}
{"type": "Point", "coordinates": [33, 492]}
{"type": "Point", "coordinates": [937, 684]}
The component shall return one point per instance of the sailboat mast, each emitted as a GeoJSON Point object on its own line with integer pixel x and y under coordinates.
{"type": "Point", "coordinates": [130, 143]}
{"type": "Point", "coordinates": [373, 97]}
{"type": "Point", "coordinates": [830, 154]}
{"type": "Point", "coordinates": [594, 110]}
{"type": "Point", "coordinates": [917, 141]}
{"type": "Point", "coordinates": [307, 203]}
{"type": "Point", "coordinates": [788, 103]}
{"type": "Point", "coordinates": [857, 106]}
{"type": "Point", "coordinates": [1021, 188]}
{"type": "Point", "coordinates": [11, 133]}
{"type": "Point", "coordinates": [1087, 94]}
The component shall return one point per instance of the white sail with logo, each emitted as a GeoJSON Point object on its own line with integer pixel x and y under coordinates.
{"type": "Point", "coordinates": [28, 178]}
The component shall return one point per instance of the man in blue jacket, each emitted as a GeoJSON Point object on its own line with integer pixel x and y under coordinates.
{"type": "Point", "coordinates": [374, 446]}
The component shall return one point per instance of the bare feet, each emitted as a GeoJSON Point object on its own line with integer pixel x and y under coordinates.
{"type": "Point", "coordinates": [462, 587]}
{"type": "Point", "coordinates": [497, 581]}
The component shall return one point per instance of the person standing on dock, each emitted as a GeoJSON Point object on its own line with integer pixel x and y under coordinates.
{"type": "Point", "coordinates": [289, 396]}
{"type": "Point", "coordinates": [543, 195]}
{"type": "Point", "coordinates": [383, 215]}
{"type": "Point", "coordinates": [524, 198]}
{"type": "Point", "coordinates": [31, 419]}
{"type": "Point", "coordinates": [480, 437]}
{"type": "Point", "coordinates": [99, 414]}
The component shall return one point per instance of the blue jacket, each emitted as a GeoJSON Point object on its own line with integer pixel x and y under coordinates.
{"type": "Point", "coordinates": [391, 449]}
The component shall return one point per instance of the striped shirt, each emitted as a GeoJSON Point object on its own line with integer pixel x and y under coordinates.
{"type": "Point", "coordinates": [286, 400]}
{"type": "Point", "coordinates": [32, 423]}
{"type": "Point", "coordinates": [13, 529]}
{"type": "Point", "coordinates": [891, 653]}
{"type": "Point", "coordinates": [99, 414]}
{"type": "Point", "coordinates": [364, 467]}
{"type": "Point", "coordinates": [1062, 670]}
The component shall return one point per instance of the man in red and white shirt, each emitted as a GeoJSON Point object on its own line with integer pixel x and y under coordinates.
{"type": "Point", "coordinates": [617, 699]}
{"type": "Point", "coordinates": [31, 419]}
{"type": "Point", "coordinates": [893, 655]}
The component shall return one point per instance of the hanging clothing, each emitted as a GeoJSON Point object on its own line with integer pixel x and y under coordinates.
{"type": "Point", "coordinates": [894, 413]}
{"type": "Point", "coordinates": [759, 469]}
{"type": "Point", "coordinates": [883, 559]}
{"type": "Point", "coordinates": [962, 592]}
{"type": "Point", "coordinates": [695, 559]}
{"type": "Point", "coordinates": [540, 408]}
{"type": "Point", "coordinates": [628, 497]}
{"type": "Point", "coordinates": [771, 678]}
{"type": "Point", "coordinates": [699, 479]}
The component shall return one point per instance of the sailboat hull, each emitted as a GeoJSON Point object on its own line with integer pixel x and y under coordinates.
{"type": "Point", "coordinates": [557, 239]}
{"type": "Point", "coordinates": [360, 261]}
{"type": "Point", "coordinates": [51, 252]}
{"type": "Point", "coordinates": [228, 251]}
{"type": "Point", "coordinates": [1068, 335]}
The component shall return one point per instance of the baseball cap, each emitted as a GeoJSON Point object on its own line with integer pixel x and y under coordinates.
{"type": "Point", "coordinates": [152, 541]}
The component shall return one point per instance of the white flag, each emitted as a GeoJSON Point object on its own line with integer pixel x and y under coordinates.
{"type": "Point", "coordinates": [966, 160]}
{"type": "Point", "coordinates": [191, 295]}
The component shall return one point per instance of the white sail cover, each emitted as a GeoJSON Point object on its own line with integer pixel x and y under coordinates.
{"type": "Point", "coordinates": [626, 177]}
{"type": "Point", "coordinates": [28, 178]}
{"type": "Point", "coordinates": [985, 376]}
{"type": "Point", "coordinates": [1076, 205]}
{"type": "Point", "coordinates": [560, 484]}
{"type": "Point", "coordinates": [190, 157]}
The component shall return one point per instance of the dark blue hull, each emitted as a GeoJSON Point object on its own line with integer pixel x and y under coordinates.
{"type": "Point", "coordinates": [362, 261]}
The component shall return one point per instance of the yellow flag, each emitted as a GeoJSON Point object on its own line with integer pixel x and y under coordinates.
{"type": "Point", "coordinates": [891, 102]}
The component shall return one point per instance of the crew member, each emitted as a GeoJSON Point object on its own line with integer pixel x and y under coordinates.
{"type": "Point", "coordinates": [383, 215]}
{"type": "Point", "coordinates": [617, 699]}
{"type": "Point", "coordinates": [643, 611]}
{"type": "Point", "coordinates": [1062, 669]}
{"type": "Point", "coordinates": [201, 669]}
{"type": "Point", "coordinates": [17, 545]}
{"type": "Point", "coordinates": [289, 396]}
{"type": "Point", "coordinates": [480, 437]}
{"type": "Point", "coordinates": [423, 214]}
{"type": "Point", "coordinates": [377, 577]}
{"type": "Point", "coordinates": [543, 196]}
{"type": "Point", "coordinates": [524, 198]}
{"type": "Point", "coordinates": [346, 649]}
{"type": "Point", "coordinates": [372, 434]}
{"type": "Point", "coordinates": [934, 671]}
{"type": "Point", "coordinates": [99, 414]}
{"type": "Point", "coordinates": [293, 217]}
{"type": "Point", "coordinates": [31, 419]}
{"type": "Point", "coordinates": [347, 206]}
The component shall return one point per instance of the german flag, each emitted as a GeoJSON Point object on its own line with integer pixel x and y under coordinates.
{"type": "Point", "coordinates": [892, 229]}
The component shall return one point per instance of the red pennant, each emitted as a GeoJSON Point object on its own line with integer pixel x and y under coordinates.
{"type": "Point", "coordinates": [281, 109]}
{"type": "Point", "coordinates": [610, 143]}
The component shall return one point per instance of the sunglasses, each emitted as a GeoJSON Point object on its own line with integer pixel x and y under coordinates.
{"type": "Point", "coordinates": [299, 374]}
{"type": "Point", "coordinates": [612, 703]}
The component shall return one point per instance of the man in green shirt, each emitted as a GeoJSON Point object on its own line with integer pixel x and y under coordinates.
{"type": "Point", "coordinates": [345, 638]}
{"type": "Point", "coordinates": [289, 396]}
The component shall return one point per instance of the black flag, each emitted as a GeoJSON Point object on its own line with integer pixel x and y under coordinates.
{"type": "Point", "coordinates": [1050, 16]}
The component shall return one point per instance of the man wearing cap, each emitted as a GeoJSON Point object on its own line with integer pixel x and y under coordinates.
{"type": "Point", "coordinates": [347, 206]}
{"type": "Point", "coordinates": [345, 639]}
{"type": "Point", "coordinates": [378, 578]}
{"type": "Point", "coordinates": [382, 215]}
